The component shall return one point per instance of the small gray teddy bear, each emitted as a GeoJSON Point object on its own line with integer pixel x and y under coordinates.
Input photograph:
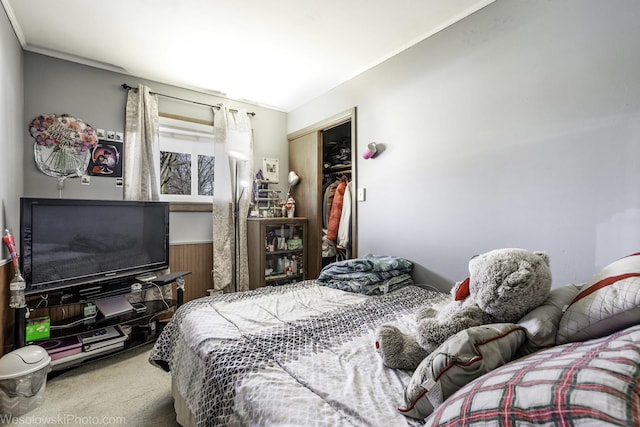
{"type": "Point", "coordinates": [503, 286]}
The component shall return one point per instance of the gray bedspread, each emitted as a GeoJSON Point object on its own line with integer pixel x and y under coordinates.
{"type": "Point", "coordinates": [295, 355]}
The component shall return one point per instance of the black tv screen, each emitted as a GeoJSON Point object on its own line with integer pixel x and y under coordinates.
{"type": "Point", "coordinates": [68, 243]}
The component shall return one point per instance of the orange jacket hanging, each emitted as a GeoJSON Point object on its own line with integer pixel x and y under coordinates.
{"type": "Point", "coordinates": [336, 212]}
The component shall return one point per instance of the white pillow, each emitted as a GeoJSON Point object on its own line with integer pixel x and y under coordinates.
{"type": "Point", "coordinates": [607, 303]}
{"type": "Point", "coordinates": [463, 357]}
{"type": "Point", "coordinates": [542, 322]}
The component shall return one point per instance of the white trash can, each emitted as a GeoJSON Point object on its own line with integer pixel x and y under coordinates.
{"type": "Point", "coordinates": [23, 376]}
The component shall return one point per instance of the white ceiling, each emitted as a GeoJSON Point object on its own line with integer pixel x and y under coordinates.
{"type": "Point", "coordinates": [276, 53]}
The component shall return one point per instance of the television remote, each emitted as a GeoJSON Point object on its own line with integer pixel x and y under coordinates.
{"type": "Point", "coordinates": [99, 335]}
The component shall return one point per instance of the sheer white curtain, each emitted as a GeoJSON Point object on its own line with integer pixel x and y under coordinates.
{"type": "Point", "coordinates": [142, 157]}
{"type": "Point", "coordinates": [234, 160]}
{"type": "Point", "coordinates": [141, 146]}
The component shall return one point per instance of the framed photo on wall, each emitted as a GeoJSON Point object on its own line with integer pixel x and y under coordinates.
{"type": "Point", "coordinates": [271, 169]}
{"type": "Point", "coordinates": [106, 159]}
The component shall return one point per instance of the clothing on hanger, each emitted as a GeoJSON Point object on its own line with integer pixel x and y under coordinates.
{"type": "Point", "coordinates": [336, 211]}
{"type": "Point", "coordinates": [344, 228]}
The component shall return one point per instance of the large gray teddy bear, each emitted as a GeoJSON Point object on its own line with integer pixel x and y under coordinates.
{"type": "Point", "coordinates": [503, 286]}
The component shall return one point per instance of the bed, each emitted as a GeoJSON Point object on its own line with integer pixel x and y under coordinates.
{"type": "Point", "coordinates": [286, 355]}
{"type": "Point", "coordinates": [304, 354]}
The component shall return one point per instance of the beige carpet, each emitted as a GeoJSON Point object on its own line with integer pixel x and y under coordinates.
{"type": "Point", "coordinates": [121, 390]}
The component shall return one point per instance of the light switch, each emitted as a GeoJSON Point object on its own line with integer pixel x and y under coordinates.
{"type": "Point", "coordinates": [361, 194]}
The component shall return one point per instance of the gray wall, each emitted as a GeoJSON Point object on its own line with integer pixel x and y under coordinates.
{"type": "Point", "coordinates": [516, 127]}
{"type": "Point", "coordinates": [94, 95]}
{"type": "Point", "coordinates": [11, 129]}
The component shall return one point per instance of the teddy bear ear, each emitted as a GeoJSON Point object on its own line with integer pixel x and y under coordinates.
{"type": "Point", "coordinates": [543, 255]}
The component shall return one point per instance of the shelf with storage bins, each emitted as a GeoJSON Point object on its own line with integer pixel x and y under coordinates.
{"type": "Point", "coordinates": [276, 250]}
{"type": "Point", "coordinates": [266, 199]}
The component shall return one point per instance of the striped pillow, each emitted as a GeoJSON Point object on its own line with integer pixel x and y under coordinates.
{"type": "Point", "coordinates": [608, 303]}
{"type": "Point", "coordinates": [460, 359]}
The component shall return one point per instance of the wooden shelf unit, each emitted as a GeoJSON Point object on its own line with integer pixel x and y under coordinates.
{"type": "Point", "coordinates": [267, 265]}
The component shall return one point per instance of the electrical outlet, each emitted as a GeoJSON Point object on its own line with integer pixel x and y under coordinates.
{"type": "Point", "coordinates": [361, 194]}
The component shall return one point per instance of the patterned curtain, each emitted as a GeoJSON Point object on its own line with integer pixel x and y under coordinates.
{"type": "Point", "coordinates": [233, 143]}
{"type": "Point", "coordinates": [222, 208]}
{"type": "Point", "coordinates": [142, 146]}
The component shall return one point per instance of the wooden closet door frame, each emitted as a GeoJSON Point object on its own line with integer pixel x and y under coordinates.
{"type": "Point", "coordinates": [308, 193]}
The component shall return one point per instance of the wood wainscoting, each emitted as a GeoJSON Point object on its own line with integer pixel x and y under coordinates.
{"type": "Point", "coordinates": [196, 258]}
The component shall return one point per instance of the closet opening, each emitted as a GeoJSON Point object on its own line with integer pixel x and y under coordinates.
{"type": "Point", "coordinates": [337, 191]}
{"type": "Point", "coordinates": [323, 155]}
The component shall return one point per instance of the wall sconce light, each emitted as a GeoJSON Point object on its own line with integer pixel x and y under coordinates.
{"type": "Point", "coordinates": [371, 151]}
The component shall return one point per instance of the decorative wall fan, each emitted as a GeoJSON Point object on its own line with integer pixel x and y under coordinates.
{"type": "Point", "coordinates": [63, 145]}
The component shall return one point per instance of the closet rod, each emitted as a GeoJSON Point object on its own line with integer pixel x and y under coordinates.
{"type": "Point", "coordinates": [217, 107]}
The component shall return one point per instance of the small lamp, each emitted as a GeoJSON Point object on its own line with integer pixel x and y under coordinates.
{"type": "Point", "coordinates": [293, 179]}
{"type": "Point", "coordinates": [290, 206]}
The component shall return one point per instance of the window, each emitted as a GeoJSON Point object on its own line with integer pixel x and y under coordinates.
{"type": "Point", "coordinates": [187, 162]}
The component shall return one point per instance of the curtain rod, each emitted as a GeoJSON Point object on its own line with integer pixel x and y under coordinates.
{"type": "Point", "coordinates": [217, 107]}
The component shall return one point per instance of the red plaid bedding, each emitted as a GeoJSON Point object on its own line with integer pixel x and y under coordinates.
{"type": "Point", "coordinates": [591, 383]}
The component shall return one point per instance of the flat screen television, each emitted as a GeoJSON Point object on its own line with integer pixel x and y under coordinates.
{"type": "Point", "coordinates": [67, 243]}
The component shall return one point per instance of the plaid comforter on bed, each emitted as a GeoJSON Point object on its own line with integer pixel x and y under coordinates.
{"type": "Point", "coordinates": [592, 383]}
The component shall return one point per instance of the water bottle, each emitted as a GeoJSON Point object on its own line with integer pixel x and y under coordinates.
{"type": "Point", "coordinates": [16, 291]}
